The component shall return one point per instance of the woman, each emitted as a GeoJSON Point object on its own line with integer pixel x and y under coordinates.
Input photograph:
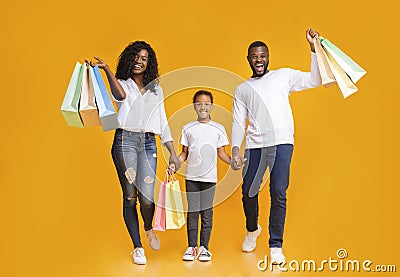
{"type": "Point", "coordinates": [141, 116]}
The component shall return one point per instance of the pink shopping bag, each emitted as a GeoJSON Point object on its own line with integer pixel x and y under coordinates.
{"type": "Point", "coordinates": [159, 219]}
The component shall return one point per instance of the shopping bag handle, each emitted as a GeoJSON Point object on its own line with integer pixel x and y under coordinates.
{"type": "Point", "coordinates": [169, 175]}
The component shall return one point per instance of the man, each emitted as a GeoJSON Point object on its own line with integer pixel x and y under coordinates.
{"type": "Point", "coordinates": [263, 100]}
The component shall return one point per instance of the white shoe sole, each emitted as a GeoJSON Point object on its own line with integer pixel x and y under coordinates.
{"type": "Point", "coordinates": [140, 263]}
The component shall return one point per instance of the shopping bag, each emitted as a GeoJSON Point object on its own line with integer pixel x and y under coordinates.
{"type": "Point", "coordinates": [327, 77]}
{"type": "Point", "coordinates": [349, 66]}
{"type": "Point", "coordinates": [344, 82]}
{"type": "Point", "coordinates": [159, 219]}
{"type": "Point", "coordinates": [174, 214]}
{"type": "Point", "coordinates": [107, 114]}
{"type": "Point", "coordinates": [87, 105]}
{"type": "Point", "coordinates": [70, 105]}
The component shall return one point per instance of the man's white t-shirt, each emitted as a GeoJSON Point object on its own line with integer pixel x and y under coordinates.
{"type": "Point", "coordinates": [202, 140]}
{"type": "Point", "coordinates": [264, 102]}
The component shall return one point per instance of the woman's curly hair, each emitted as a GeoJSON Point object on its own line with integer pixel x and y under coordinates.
{"type": "Point", "coordinates": [126, 62]}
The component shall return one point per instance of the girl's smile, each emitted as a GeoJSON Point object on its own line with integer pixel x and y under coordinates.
{"type": "Point", "coordinates": [203, 107]}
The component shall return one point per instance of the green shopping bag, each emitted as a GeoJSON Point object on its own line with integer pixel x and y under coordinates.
{"type": "Point", "coordinates": [70, 105]}
{"type": "Point", "coordinates": [352, 69]}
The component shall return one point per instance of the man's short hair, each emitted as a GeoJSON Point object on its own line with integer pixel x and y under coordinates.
{"type": "Point", "coordinates": [256, 44]}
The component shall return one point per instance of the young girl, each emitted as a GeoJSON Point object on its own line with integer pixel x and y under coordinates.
{"type": "Point", "coordinates": [141, 116]}
{"type": "Point", "coordinates": [202, 140]}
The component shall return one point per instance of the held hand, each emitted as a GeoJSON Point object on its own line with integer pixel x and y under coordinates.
{"type": "Point", "coordinates": [171, 168]}
{"type": "Point", "coordinates": [310, 34]}
{"type": "Point", "coordinates": [237, 162]}
{"type": "Point", "coordinates": [174, 163]}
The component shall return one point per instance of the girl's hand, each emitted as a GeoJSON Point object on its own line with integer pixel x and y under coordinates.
{"type": "Point", "coordinates": [237, 162]}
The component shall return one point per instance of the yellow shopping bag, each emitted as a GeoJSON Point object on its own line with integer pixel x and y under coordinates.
{"type": "Point", "coordinates": [174, 213]}
{"type": "Point", "coordinates": [87, 105]}
{"type": "Point", "coordinates": [344, 82]}
{"type": "Point", "coordinates": [327, 77]}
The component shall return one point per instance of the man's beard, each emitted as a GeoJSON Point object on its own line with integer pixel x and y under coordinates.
{"type": "Point", "coordinates": [255, 74]}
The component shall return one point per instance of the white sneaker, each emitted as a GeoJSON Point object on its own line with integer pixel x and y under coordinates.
{"type": "Point", "coordinates": [138, 256]}
{"type": "Point", "coordinates": [249, 243]}
{"type": "Point", "coordinates": [190, 254]}
{"type": "Point", "coordinates": [153, 239]}
{"type": "Point", "coordinates": [204, 255]}
{"type": "Point", "coordinates": [277, 256]}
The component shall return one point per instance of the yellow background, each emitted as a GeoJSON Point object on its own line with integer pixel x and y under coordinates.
{"type": "Point", "coordinates": [60, 207]}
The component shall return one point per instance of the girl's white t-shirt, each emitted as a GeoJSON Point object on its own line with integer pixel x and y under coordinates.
{"type": "Point", "coordinates": [202, 140]}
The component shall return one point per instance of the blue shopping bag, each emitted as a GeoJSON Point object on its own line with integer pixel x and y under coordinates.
{"type": "Point", "coordinates": [108, 116]}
